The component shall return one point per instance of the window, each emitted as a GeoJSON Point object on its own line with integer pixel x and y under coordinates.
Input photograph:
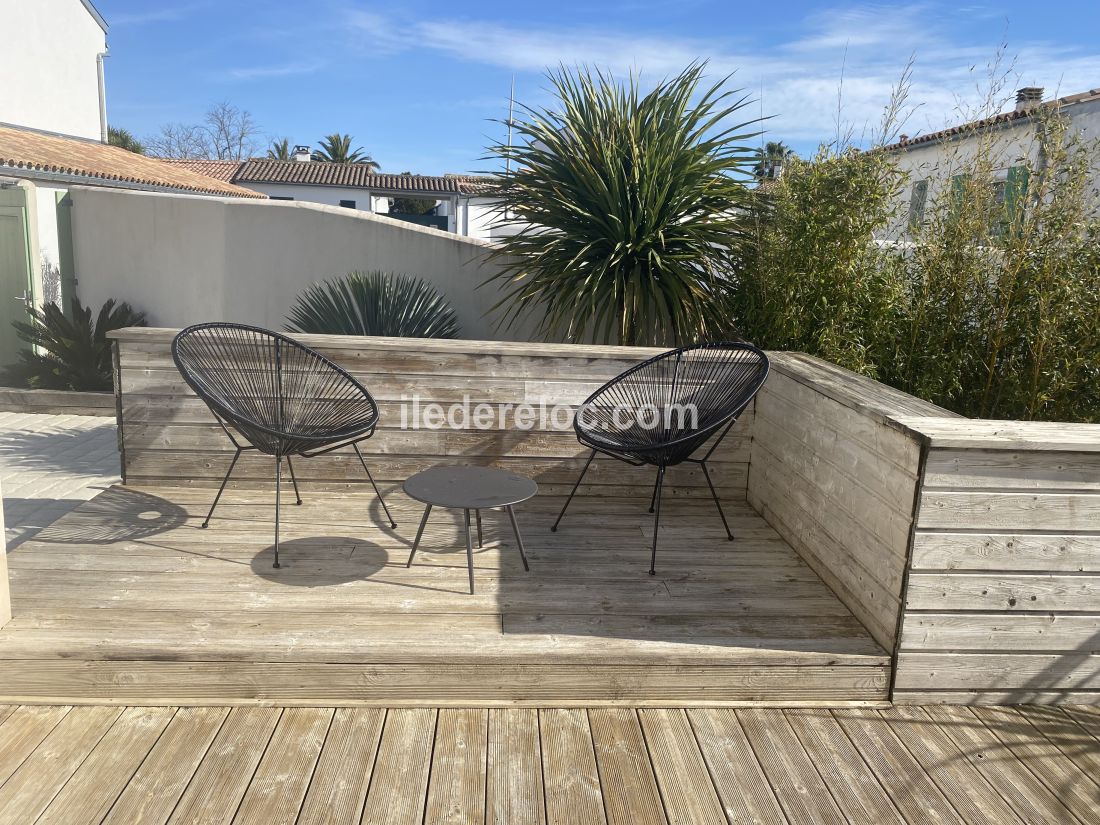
{"type": "Point", "coordinates": [348, 204]}
{"type": "Point", "coordinates": [917, 201]}
{"type": "Point", "coordinates": [281, 198]}
{"type": "Point", "coordinates": [1009, 193]}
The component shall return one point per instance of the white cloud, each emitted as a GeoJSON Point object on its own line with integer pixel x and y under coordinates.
{"type": "Point", "coordinates": [268, 72]}
{"type": "Point", "coordinates": [796, 79]}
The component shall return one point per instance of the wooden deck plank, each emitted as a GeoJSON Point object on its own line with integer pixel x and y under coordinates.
{"type": "Point", "coordinates": [399, 783]}
{"type": "Point", "coordinates": [154, 791]}
{"type": "Point", "coordinates": [457, 786]}
{"type": "Point", "coordinates": [279, 785]}
{"type": "Point", "coordinates": [41, 776]}
{"type": "Point", "coordinates": [570, 774]}
{"type": "Point", "coordinates": [976, 801]}
{"type": "Point", "coordinates": [514, 790]}
{"type": "Point", "coordinates": [742, 786]}
{"type": "Point", "coordinates": [1023, 792]}
{"type": "Point", "coordinates": [630, 792]}
{"type": "Point", "coordinates": [911, 789]}
{"type": "Point", "coordinates": [1075, 788]}
{"type": "Point", "coordinates": [22, 732]}
{"type": "Point", "coordinates": [855, 789]}
{"type": "Point", "coordinates": [223, 776]}
{"type": "Point", "coordinates": [685, 783]}
{"type": "Point", "coordinates": [790, 771]}
{"type": "Point", "coordinates": [104, 775]}
{"type": "Point", "coordinates": [1069, 737]}
{"type": "Point", "coordinates": [339, 786]}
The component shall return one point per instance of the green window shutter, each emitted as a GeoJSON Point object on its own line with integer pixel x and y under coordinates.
{"type": "Point", "coordinates": [917, 201]}
{"type": "Point", "coordinates": [1015, 194]}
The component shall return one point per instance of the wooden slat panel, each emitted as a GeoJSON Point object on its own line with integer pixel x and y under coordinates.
{"type": "Point", "coordinates": [456, 789]}
{"type": "Point", "coordinates": [1005, 592]}
{"type": "Point", "coordinates": [997, 671]}
{"type": "Point", "coordinates": [630, 790]}
{"type": "Point", "coordinates": [344, 769]}
{"type": "Point", "coordinates": [514, 784]}
{"type": "Point", "coordinates": [990, 550]}
{"type": "Point", "coordinates": [1025, 632]}
{"type": "Point", "coordinates": [399, 783]}
{"type": "Point", "coordinates": [955, 469]}
{"type": "Point", "coordinates": [104, 775]}
{"type": "Point", "coordinates": [686, 789]}
{"type": "Point", "coordinates": [153, 792]}
{"type": "Point", "coordinates": [570, 774]}
{"type": "Point", "coordinates": [23, 731]}
{"type": "Point", "coordinates": [279, 785]}
{"type": "Point", "coordinates": [1053, 512]}
{"type": "Point", "coordinates": [222, 777]}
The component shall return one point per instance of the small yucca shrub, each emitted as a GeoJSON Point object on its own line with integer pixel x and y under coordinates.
{"type": "Point", "coordinates": [374, 303]}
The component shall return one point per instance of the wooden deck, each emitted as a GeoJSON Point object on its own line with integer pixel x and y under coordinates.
{"type": "Point", "coordinates": [271, 765]}
{"type": "Point", "coordinates": [127, 600]}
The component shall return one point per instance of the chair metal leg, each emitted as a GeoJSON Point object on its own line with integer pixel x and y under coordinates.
{"type": "Point", "coordinates": [221, 489]}
{"type": "Point", "coordinates": [519, 538]}
{"type": "Point", "coordinates": [278, 484]}
{"type": "Point", "coordinates": [294, 480]}
{"type": "Point", "coordinates": [653, 499]}
{"type": "Point", "coordinates": [477, 514]}
{"type": "Point", "coordinates": [419, 533]}
{"type": "Point", "coordinates": [717, 503]}
{"type": "Point", "coordinates": [587, 464]}
{"type": "Point", "coordinates": [469, 549]}
{"type": "Point", "coordinates": [657, 521]}
{"type": "Point", "coordinates": [377, 492]}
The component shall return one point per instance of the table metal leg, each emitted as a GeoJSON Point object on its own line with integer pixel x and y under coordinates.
{"type": "Point", "coordinates": [519, 538]}
{"type": "Point", "coordinates": [469, 549]}
{"type": "Point", "coordinates": [477, 513]}
{"type": "Point", "coordinates": [419, 533]}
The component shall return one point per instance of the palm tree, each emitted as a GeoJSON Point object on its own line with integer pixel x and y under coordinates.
{"type": "Point", "coordinates": [124, 139]}
{"type": "Point", "coordinates": [771, 159]}
{"type": "Point", "coordinates": [280, 150]}
{"type": "Point", "coordinates": [634, 208]}
{"type": "Point", "coordinates": [336, 148]}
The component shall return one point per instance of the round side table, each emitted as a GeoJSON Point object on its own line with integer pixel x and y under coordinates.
{"type": "Point", "coordinates": [466, 489]}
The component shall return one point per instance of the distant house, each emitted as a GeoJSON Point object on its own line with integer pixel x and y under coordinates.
{"type": "Point", "coordinates": [933, 160]}
{"type": "Point", "coordinates": [455, 203]}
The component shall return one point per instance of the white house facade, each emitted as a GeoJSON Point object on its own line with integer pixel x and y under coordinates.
{"type": "Point", "coordinates": [51, 63]}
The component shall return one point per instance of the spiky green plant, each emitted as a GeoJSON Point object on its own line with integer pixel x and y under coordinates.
{"type": "Point", "coordinates": [336, 148]}
{"type": "Point", "coordinates": [633, 203]}
{"type": "Point", "coordinates": [69, 354]}
{"type": "Point", "coordinates": [280, 150]}
{"type": "Point", "coordinates": [374, 303]}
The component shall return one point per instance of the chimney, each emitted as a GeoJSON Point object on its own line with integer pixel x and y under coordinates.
{"type": "Point", "coordinates": [1028, 98]}
{"type": "Point", "coordinates": [302, 154]}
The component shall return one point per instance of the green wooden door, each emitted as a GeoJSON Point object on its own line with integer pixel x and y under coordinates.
{"type": "Point", "coordinates": [15, 271]}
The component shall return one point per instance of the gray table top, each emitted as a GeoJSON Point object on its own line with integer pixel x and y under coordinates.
{"type": "Point", "coordinates": [469, 488]}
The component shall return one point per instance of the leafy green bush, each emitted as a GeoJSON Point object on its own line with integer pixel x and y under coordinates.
{"type": "Point", "coordinates": [69, 354]}
{"type": "Point", "coordinates": [989, 307]}
{"type": "Point", "coordinates": [633, 206]}
{"type": "Point", "coordinates": [374, 303]}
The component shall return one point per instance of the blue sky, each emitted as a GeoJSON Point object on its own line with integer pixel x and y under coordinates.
{"type": "Point", "coordinates": [419, 83]}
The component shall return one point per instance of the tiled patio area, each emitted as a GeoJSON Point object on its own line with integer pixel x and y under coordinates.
{"type": "Point", "coordinates": [51, 463]}
{"type": "Point", "coordinates": [600, 766]}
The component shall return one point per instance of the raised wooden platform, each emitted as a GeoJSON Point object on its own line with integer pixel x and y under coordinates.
{"type": "Point", "coordinates": [603, 766]}
{"type": "Point", "coordinates": [127, 600]}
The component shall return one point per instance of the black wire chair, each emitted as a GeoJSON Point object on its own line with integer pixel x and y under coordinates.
{"type": "Point", "coordinates": [663, 410]}
{"type": "Point", "coordinates": [280, 397]}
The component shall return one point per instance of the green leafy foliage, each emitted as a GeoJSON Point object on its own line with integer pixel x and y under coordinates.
{"type": "Point", "coordinates": [634, 208]}
{"type": "Point", "coordinates": [280, 150]}
{"type": "Point", "coordinates": [336, 148]}
{"type": "Point", "coordinates": [69, 354]}
{"type": "Point", "coordinates": [374, 303]}
{"type": "Point", "coordinates": [124, 139]}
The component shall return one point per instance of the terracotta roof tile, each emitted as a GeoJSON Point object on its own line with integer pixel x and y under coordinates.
{"type": "Point", "coordinates": [1003, 117]}
{"type": "Point", "coordinates": [358, 175]}
{"type": "Point", "coordinates": [224, 170]}
{"type": "Point", "coordinates": [28, 149]}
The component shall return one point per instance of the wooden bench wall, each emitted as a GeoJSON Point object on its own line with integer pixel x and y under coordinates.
{"type": "Point", "coordinates": [1003, 595]}
{"type": "Point", "coordinates": [169, 437]}
{"type": "Point", "coordinates": [835, 474]}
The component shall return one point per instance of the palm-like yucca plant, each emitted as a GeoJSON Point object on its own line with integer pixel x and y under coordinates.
{"type": "Point", "coordinates": [280, 150]}
{"type": "Point", "coordinates": [336, 148]}
{"type": "Point", "coordinates": [634, 204]}
{"type": "Point", "coordinates": [70, 354]}
{"type": "Point", "coordinates": [374, 303]}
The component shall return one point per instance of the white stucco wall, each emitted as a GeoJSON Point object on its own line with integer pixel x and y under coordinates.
{"type": "Point", "coordinates": [189, 259]}
{"type": "Point", "coordinates": [48, 66]}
